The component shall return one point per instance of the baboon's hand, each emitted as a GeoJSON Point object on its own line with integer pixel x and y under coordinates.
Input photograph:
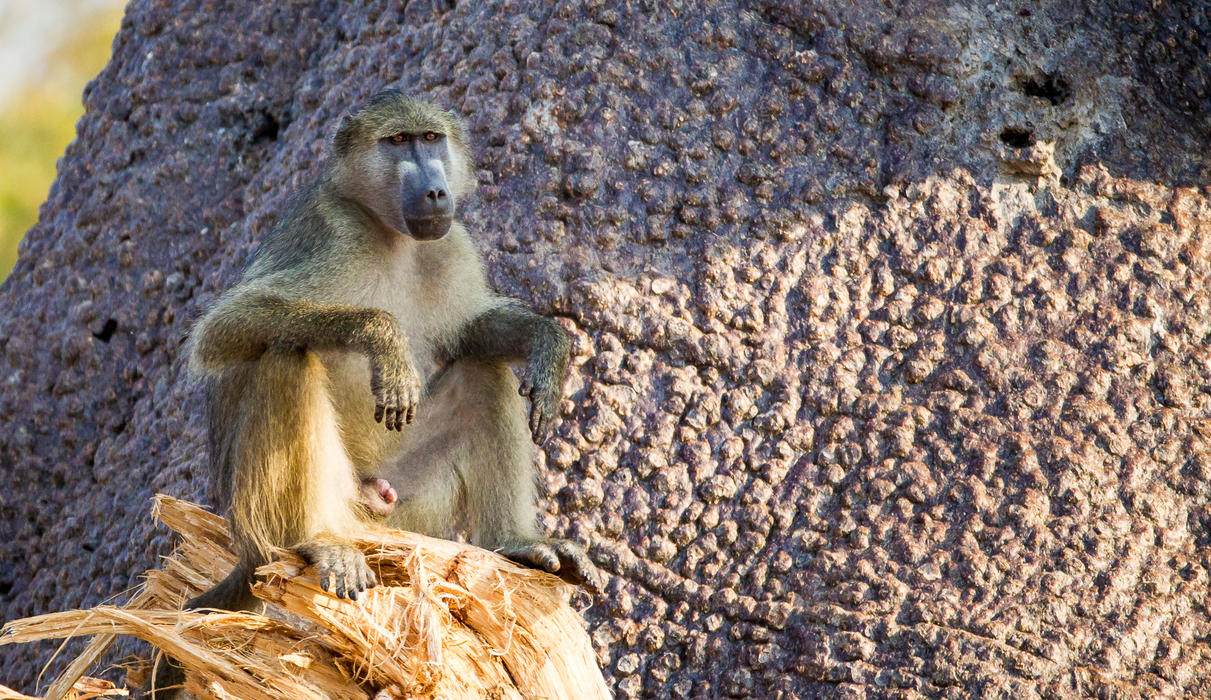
{"type": "Point", "coordinates": [544, 393]}
{"type": "Point", "coordinates": [564, 558]}
{"type": "Point", "coordinates": [341, 568]}
{"type": "Point", "coordinates": [396, 388]}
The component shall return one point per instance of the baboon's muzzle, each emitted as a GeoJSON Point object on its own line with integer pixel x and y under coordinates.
{"type": "Point", "coordinates": [428, 206]}
{"type": "Point", "coordinates": [429, 228]}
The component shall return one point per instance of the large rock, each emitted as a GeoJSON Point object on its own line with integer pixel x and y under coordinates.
{"type": "Point", "coordinates": [891, 322]}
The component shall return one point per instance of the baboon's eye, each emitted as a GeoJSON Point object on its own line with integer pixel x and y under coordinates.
{"type": "Point", "coordinates": [400, 138]}
{"type": "Point", "coordinates": [430, 136]}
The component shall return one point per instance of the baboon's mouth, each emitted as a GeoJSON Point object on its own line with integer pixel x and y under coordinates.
{"type": "Point", "coordinates": [429, 228]}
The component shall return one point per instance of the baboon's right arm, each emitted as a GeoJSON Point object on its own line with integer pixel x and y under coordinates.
{"type": "Point", "coordinates": [243, 326]}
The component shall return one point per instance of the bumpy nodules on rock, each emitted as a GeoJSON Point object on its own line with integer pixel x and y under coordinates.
{"type": "Point", "coordinates": [890, 323]}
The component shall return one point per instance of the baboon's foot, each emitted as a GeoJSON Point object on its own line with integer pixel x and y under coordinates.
{"type": "Point", "coordinates": [565, 559]}
{"type": "Point", "coordinates": [342, 569]}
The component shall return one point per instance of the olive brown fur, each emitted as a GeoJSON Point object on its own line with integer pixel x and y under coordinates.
{"type": "Point", "coordinates": [363, 344]}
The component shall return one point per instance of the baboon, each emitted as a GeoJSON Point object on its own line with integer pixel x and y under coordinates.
{"type": "Point", "coordinates": [360, 368]}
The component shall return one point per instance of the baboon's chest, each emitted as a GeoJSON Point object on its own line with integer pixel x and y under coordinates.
{"type": "Point", "coordinates": [433, 290]}
{"type": "Point", "coordinates": [431, 300]}
{"type": "Point", "coordinates": [423, 304]}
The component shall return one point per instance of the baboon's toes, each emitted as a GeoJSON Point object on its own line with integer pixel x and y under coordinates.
{"type": "Point", "coordinates": [563, 558]}
{"type": "Point", "coordinates": [535, 554]}
{"type": "Point", "coordinates": [576, 567]}
{"type": "Point", "coordinates": [341, 569]}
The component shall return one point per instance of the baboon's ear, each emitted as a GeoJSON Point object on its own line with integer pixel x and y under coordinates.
{"type": "Point", "coordinates": [342, 139]}
{"type": "Point", "coordinates": [462, 130]}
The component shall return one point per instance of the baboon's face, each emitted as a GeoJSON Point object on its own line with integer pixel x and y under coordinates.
{"type": "Point", "coordinates": [405, 161]}
{"type": "Point", "coordinates": [418, 163]}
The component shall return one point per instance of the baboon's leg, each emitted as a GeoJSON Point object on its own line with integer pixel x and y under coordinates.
{"type": "Point", "coordinates": [292, 483]}
{"type": "Point", "coordinates": [497, 460]}
{"type": "Point", "coordinates": [285, 480]}
{"type": "Point", "coordinates": [426, 472]}
{"type": "Point", "coordinates": [468, 461]}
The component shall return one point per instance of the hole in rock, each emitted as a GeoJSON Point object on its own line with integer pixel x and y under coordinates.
{"type": "Point", "coordinates": [107, 331]}
{"type": "Point", "coordinates": [1052, 88]}
{"type": "Point", "coordinates": [266, 129]}
{"type": "Point", "coordinates": [1017, 138]}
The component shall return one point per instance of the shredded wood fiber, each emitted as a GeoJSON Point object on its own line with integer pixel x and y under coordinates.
{"type": "Point", "coordinates": [447, 621]}
{"type": "Point", "coordinates": [83, 689]}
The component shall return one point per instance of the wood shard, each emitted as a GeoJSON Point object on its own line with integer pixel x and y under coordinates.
{"type": "Point", "coordinates": [448, 620]}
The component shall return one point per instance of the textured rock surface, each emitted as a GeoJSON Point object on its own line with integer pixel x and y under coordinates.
{"type": "Point", "coordinates": [890, 320]}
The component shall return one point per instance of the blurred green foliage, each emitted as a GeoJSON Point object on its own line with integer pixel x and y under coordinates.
{"type": "Point", "coordinates": [40, 122]}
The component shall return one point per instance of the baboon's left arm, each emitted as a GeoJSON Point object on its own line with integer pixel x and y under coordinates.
{"type": "Point", "coordinates": [511, 332]}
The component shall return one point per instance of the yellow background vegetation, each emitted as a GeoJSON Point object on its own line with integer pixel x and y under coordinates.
{"type": "Point", "coordinates": [39, 122]}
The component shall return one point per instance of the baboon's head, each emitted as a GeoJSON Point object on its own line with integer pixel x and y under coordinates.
{"type": "Point", "coordinates": [405, 160]}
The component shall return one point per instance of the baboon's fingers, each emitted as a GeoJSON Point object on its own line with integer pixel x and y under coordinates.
{"type": "Point", "coordinates": [542, 420]}
{"type": "Point", "coordinates": [563, 558]}
{"type": "Point", "coordinates": [546, 558]}
{"type": "Point", "coordinates": [578, 574]}
{"type": "Point", "coordinates": [413, 400]}
{"type": "Point", "coordinates": [379, 411]}
{"type": "Point", "coordinates": [402, 399]}
{"type": "Point", "coordinates": [342, 570]}
{"type": "Point", "coordinates": [535, 421]}
{"type": "Point", "coordinates": [358, 574]}
{"type": "Point", "coordinates": [526, 388]}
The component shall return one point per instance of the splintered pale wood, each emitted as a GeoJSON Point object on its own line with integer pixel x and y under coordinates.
{"type": "Point", "coordinates": [448, 621]}
{"type": "Point", "coordinates": [391, 635]}
{"type": "Point", "coordinates": [83, 689]}
{"type": "Point", "coordinates": [75, 671]}
{"type": "Point", "coordinates": [522, 614]}
{"type": "Point", "coordinates": [193, 568]}
{"type": "Point", "coordinates": [202, 558]}
{"type": "Point", "coordinates": [407, 657]}
{"type": "Point", "coordinates": [220, 646]}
